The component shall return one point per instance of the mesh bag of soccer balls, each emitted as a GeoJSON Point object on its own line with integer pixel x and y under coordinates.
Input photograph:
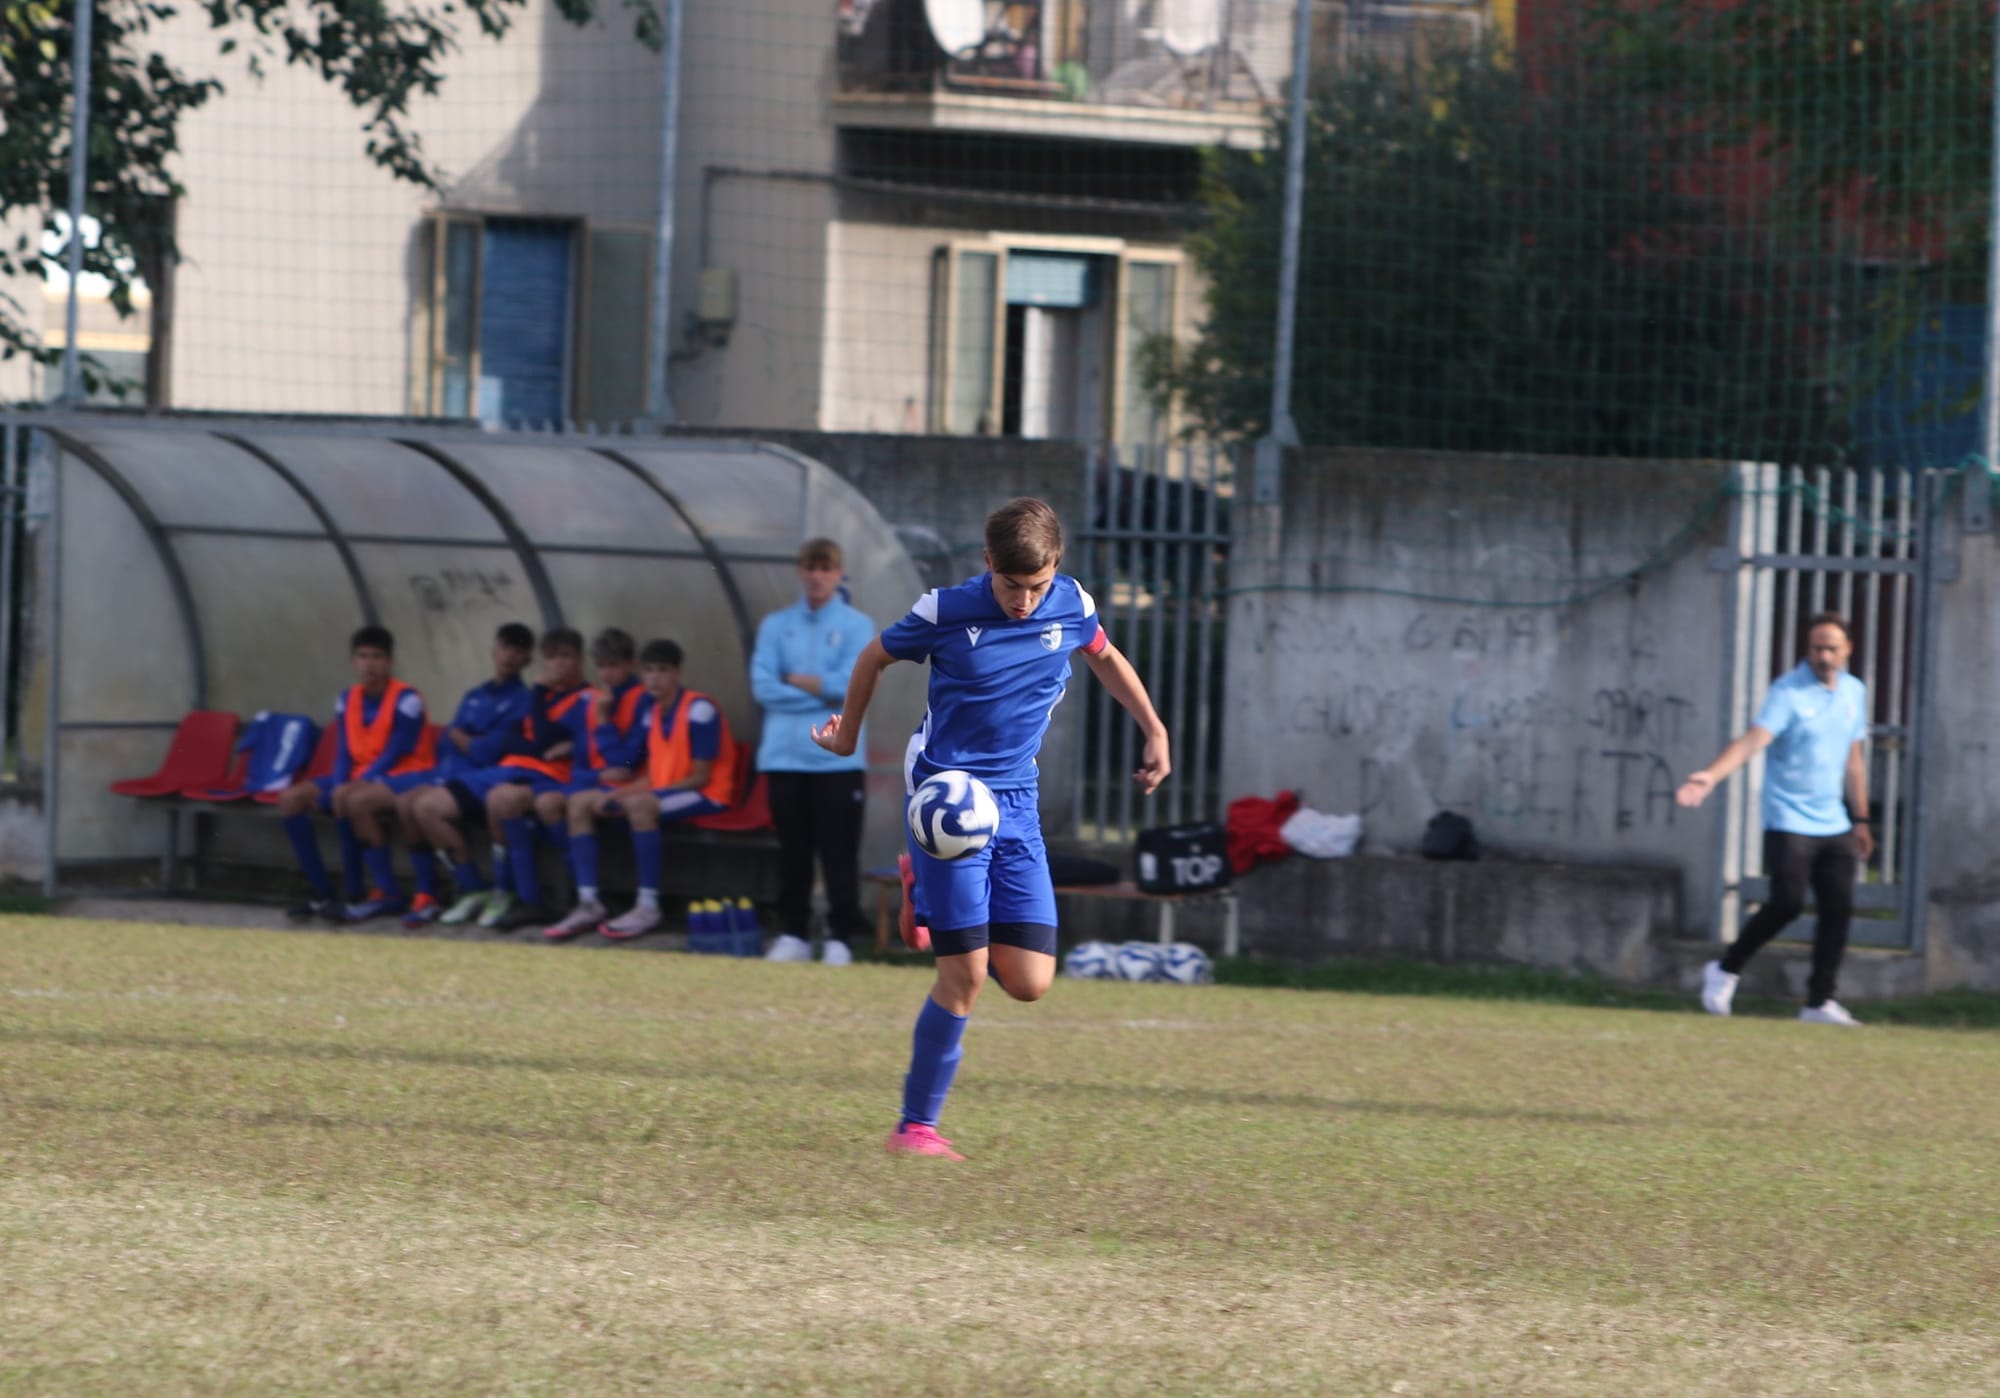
{"type": "Point", "coordinates": [1179, 963]}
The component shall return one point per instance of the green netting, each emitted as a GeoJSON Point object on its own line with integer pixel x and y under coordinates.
{"type": "Point", "coordinates": [1600, 228]}
{"type": "Point", "coordinates": [1744, 231]}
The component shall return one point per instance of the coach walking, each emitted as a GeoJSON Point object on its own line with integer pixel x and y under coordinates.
{"type": "Point", "coordinates": [1813, 721]}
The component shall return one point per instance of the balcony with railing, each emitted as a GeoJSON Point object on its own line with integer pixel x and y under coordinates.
{"type": "Point", "coordinates": [1182, 72]}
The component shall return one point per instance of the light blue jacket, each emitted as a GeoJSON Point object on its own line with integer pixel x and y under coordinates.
{"type": "Point", "coordinates": [801, 641]}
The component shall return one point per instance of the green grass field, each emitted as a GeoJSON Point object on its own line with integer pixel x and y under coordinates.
{"type": "Point", "coordinates": [259, 1162]}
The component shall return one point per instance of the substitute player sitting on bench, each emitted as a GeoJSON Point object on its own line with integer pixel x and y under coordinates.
{"type": "Point", "coordinates": [690, 772]}
{"type": "Point", "coordinates": [447, 812]}
{"type": "Point", "coordinates": [488, 715]}
{"type": "Point", "coordinates": [384, 746]}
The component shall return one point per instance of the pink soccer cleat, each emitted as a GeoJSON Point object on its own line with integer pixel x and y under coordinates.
{"type": "Point", "coordinates": [913, 1138]}
{"type": "Point", "coordinates": [914, 937]}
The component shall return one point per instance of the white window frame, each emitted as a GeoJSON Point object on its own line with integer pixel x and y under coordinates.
{"type": "Point", "coordinates": [1121, 254]}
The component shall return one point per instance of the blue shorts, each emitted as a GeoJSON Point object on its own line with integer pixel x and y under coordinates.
{"type": "Point", "coordinates": [480, 784]}
{"type": "Point", "coordinates": [409, 781]}
{"type": "Point", "coordinates": [675, 806]}
{"type": "Point", "coordinates": [1002, 894]}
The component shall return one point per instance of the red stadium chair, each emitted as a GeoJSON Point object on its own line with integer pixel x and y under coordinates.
{"type": "Point", "coordinates": [230, 788]}
{"type": "Point", "coordinates": [752, 810]}
{"type": "Point", "coordinates": [320, 766]}
{"type": "Point", "coordinates": [198, 756]}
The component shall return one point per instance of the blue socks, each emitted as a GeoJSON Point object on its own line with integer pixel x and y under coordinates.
{"type": "Point", "coordinates": [381, 868]}
{"type": "Point", "coordinates": [583, 860]}
{"type": "Point", "coordinates": [424, 869]}
{"type": "Point", "coordinates": [557, 834]}
{"type": "Point", "coordinates": [648, 852]}
{"type": "Point", "coordinates": [934, 1056]}
{"type": "Point", "coordinates": [521, 859]}
{"type": "Point", "coordinates": [350, 860]}
{"type": "Point", "coordinates": [299, 830]}
{"type": "Point", "coordinates": [466, 875]}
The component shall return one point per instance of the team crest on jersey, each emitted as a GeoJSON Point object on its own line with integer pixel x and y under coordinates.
{"type": "Point", "coordinates": [1052, 636]}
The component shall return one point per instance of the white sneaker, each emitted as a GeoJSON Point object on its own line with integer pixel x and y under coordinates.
{"type": "Point", "coordinates": [790, 948]}
{"type": "Point", "coordinates": [585, 917]}
{"type": "Point", "coordinates": [1830, 1012]}
{"type": "Point", "coordinates": [835, 953]}
{"type": "Point", "coordinates": [1718, 988]}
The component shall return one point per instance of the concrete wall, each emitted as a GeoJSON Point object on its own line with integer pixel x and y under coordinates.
{"type": "Point", "coordinates": [1960, 780]}
{"type": "Point", "coordinates": [1413, 633]}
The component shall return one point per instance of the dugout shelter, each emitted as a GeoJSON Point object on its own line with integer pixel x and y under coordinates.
{"type": "Point", "coordinates": [222, 565]}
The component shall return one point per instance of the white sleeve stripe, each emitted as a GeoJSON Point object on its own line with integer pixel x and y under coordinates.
{"type": "Point", "coordinates": [1089, 602]}
{"type": "Point", "coordinates": [927, 607]}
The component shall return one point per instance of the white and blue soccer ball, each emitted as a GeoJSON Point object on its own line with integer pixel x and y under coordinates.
{"type": "Point", "coordinates": [1137, 961]}
{"type": "Point", "coordinates": [953, 815]}
{"type": "Point", "coordinates": [1184, 963]}
{"type": "Point", "coordinates": [1090, 961]}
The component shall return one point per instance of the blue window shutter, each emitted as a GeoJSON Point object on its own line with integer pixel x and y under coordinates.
{"type": "Point", "coordinates": [524, 321]}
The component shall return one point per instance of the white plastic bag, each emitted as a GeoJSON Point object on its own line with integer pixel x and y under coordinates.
{"type": "Point", "coordinates": [1321, 835]}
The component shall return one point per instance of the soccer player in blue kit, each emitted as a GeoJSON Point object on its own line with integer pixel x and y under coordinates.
{"type": "Point", "coordinates": [999, 646]}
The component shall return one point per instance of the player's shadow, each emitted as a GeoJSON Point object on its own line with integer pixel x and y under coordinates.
{"type": "Point", "coordinates": [320, 1051]}
{"type": "Point", "coordinates": [262, 1117]}
{"type": "Point", "coordinates": [485, 1060]}
{"type": "Point", "coordinates": [1299, 1101]}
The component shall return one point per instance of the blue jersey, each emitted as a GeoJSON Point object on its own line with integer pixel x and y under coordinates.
{"type": "Point", "coordinates": [489, 715]}
{"type": "Point", "coordinates": [995, 680]}
{"type": "Point", "coordinates": [1813, 729]}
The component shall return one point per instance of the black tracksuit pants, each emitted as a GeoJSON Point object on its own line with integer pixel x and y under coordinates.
{"type": "Point", "coordinates": [818, 815]}
{"type": "Point", "coordinates": [1826, 863]}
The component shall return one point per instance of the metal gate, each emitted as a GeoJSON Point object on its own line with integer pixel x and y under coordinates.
{"type": "Point", "coordinates": [1861, 543]}
{"type": "Point", "coordinates": [1155, 555]}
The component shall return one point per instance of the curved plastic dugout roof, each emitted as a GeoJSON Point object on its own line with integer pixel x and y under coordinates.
{"type": "Point", "coordinates": [223, 564]}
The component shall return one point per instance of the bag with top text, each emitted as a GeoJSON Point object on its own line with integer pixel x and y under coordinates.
{"type": "Point", "coordinates": [1182, 858]}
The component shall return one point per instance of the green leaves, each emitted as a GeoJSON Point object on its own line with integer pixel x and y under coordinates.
{"type": "Point", "coordinates": [1663, 231]}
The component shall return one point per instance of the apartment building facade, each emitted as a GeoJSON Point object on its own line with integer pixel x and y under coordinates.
{"type": "Point", "coordinates": [958, 216]}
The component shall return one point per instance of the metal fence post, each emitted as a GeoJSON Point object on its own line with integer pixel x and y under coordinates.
{"type": "Point", "coordinates": [659, 388]}
{"type": "Point", "coordinates": [79, 160]}
{"type": "Point", "coordinates": [1923, 681]}
{"type": "Point", "coordinates": [1266, 482]}
{"type": "Point", "coordinates": [1977, 514]}
{"type": "Point", "coordinates": [52, 736]}
{"type": "Point", "coordinates": [10, 524]}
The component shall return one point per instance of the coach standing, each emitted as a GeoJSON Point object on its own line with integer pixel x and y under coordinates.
{"type": "Point", "coordinates": [799, 670]}
{"type": "Point", "coordinates": [1813, 721]}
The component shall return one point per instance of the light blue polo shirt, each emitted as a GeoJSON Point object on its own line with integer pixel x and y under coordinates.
{"type": "Point", "coordinates": [1812, 730]}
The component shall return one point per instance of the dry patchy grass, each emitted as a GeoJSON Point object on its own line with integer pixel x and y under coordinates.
{"type": "Point", "coordinates": [257, 1162]}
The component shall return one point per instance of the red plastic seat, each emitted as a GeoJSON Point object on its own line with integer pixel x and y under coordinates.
{"type": "Point", "coordinates": [320, 766]}
{"type": "Point", "coordinates": [752, 810]}
{"type": "Point", "coordinates": [199, 755]}
{"type": "Point", "coordinates": [230, 788]}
